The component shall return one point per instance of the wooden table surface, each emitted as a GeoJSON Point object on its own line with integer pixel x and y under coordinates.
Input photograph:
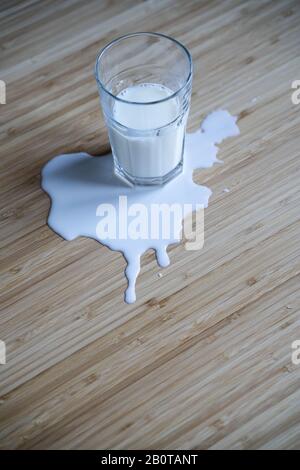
{"type": "Point", "coordinates": [203, 358]}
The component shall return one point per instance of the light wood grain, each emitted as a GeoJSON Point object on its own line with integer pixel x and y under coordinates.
{"type": "Point", "coordinates": [203, 359]}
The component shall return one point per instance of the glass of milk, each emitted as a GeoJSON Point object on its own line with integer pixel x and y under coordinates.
{"type": "Point", "coordinates": [145, 82]}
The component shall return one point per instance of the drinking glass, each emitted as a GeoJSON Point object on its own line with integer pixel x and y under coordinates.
{"type": "Point", "coordinates": [145, 81]}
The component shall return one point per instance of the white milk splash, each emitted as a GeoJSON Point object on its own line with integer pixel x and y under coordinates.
{"type": "Point", "coordinates": [78, 183]}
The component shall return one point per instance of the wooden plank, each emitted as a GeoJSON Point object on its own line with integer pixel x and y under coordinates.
{"type": "Point", "coordinates": [203, 359]}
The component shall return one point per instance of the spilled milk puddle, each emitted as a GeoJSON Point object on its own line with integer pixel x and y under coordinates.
{"type": "Point", "coordinates": [78, 183]}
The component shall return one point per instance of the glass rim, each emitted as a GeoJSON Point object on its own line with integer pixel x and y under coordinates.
{"type": "Point", "coordinates": [126, 36]}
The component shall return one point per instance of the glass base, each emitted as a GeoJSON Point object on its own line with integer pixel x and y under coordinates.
{"type": "Point", "coordinates": [148, 181]}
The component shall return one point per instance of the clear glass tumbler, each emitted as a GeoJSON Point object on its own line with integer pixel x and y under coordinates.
{"type": "Point", "coordinates": [145, 82]}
